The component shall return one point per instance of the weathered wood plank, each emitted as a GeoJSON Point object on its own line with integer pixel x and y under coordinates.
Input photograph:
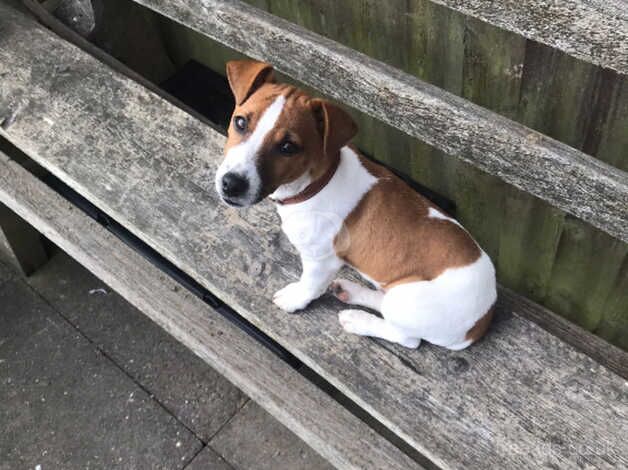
{"type": "Point", "coordinates": [491, 78]}
{"type": "Point", "coordinates": [583, 276]}
{"type": "Point", "coordinates": [554, 172]}
{"type": "Point", "coordinates": [613, 357]}
{"type": "Point", "coordinates": [301, 406]}
{"type": "Point", "coordinates": [515, 400]}
{"type": "Point", "coordinates": [555, 98]}
{"type": "Point", "coordinates": [609, 141]}
{"type": "Point", "coordinates": [594, 31]}
{"type": "Point", "coordinates": [435, 53]}
{"type": "Point", "coordinates": [614, 322]}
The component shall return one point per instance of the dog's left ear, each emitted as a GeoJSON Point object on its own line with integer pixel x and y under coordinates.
{"type": "Point", "coordinates": [246, 76]}
{"type": "Point", "coordinates": [336, 125]}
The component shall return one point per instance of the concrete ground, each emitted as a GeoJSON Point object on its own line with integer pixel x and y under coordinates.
{"type": "Point", "coordinates": [87, 381]}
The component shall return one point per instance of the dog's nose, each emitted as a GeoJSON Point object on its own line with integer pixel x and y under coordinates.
{"type": "Point", "coordinates": [234, 185]}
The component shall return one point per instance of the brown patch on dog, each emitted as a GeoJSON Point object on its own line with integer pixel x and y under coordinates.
{"type": "Point", "coordinates": [480, 326]}
{"type": "Point", "coordinates": [392, 239]}
{"type": "Point", "coordinates": [246, 76]}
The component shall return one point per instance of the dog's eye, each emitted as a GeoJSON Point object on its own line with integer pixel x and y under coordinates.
{"type": "Point", "coordinates": [240, 123]}
{"type": "Point", "coordinates": [288, 148]}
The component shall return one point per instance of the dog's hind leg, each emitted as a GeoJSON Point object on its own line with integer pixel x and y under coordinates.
{"type": "Point", "coordinates": [365, 324]}
{"type": "Point", "coordinates": [353, 293]}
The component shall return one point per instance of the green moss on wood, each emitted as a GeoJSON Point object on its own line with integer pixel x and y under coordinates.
{"type": "Point", "coordinates": [588, 265]}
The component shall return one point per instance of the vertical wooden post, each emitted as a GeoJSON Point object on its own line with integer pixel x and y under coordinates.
{"type": "Point", "coordinates": [20, 242]}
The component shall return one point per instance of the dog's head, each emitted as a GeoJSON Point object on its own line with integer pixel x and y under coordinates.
{"type": "Point", "coordinates": [279, 138]}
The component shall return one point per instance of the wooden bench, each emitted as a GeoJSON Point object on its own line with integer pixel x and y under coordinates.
{"type": "Point", "coordinates": [520, 398]}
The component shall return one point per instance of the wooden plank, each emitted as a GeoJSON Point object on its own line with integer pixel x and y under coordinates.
{"type": "Point", "coordinates": [587, 264]}
{"type": "Point", "coordinates": [609, 139]}
{"type": "Point", "coordinates": [435, 51]}
{"type": "Point", "coordinates": [613, 357]}
{"type": "Point", "coordinates": [594, 31]}
{"type": "Point", "coordinates": [614, 322]}
{"type": "Point", "coordinates": [491, 78]}
{"type": "Point", "coordinates": [320, 421]}
{"type": "Point", "coordinates": [555, 99]}
{"type": "Point", "coordinates": [554, 172]}
{"type": "Point", "coordinates": [515, 399]}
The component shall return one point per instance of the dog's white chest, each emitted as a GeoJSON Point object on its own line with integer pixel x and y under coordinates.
{"type": "Point", "coordinates": [312, 226]}
{"type": "Point", "coordinates": [312, 233]}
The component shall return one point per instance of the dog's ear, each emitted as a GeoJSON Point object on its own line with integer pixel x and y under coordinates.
{"type": "Point", "coordinates": [336, 126]}
{"type": "Point", "coordinates": [246, 76]}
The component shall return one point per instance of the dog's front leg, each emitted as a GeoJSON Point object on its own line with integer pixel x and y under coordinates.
{"type": "Point", "coordinates": [316, 276]}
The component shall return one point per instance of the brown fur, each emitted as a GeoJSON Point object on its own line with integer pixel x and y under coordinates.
{"type": "Point", "coordinates": [246, 76]}
{"type": "Point", "coordinates": [426, 248]}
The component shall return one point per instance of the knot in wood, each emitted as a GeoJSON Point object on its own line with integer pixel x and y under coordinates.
{"type": "Point", "coordinates": [458, 365]}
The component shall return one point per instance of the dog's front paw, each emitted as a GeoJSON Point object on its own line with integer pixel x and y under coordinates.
{"type": "Point", "coordinates": [293, 297]}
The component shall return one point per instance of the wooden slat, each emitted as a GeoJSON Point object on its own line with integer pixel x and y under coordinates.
{"type": "Point", "coordinates": [520, 398]}
{"type": "Point", "coordinates": [301, 406]}
{"type": "Point", "coordinates": [614, 358]}
{"type": "Point", "coordinates": [550, 170]}
{"type": "Point", "coordinates": [594, 31]}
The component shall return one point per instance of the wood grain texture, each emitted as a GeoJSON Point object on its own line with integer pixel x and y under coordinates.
{"type": "Point", "coordinates": [302, 407]}
{"type": "Point", "coordinates": [614, 322]}
{"type": "Point", "coordinates": [490, 78]}
{"type": "Point", "coordinates": [554, 172]}
{"type": "Point", "coordinates": [435, 53]}
{"type": "Point", "coordinates": [611, 356]}
{"type": "Point", "coordinates": [587, 265]}
{"type": "Point", "coordinates": [520, 398]}
{"type": "Point", "coordinates": [594, 31]}
{"type": "Point", "coordinates": [610, 143]}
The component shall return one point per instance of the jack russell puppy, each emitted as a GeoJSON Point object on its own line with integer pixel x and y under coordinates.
{"type": "Point", "coordinates": [433, 282]}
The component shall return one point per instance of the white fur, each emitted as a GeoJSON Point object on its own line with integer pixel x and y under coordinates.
{"type": "Point", "coordinates": [312, 226]}
{"type": "Point", "coordinates": [362, 323]}
{"type": "Point", "coordinates": [242, 158]}
{"type": "Point", "coordinates": [436, 214]}
{"type": "Point", "coordinates": [440, 311]}
{"type": "Point", "coordinates": [444, 309]}
{"type": "Point", "coordinates": [357, 294]}
{"type": "Point", "coordinates": [293, 188]}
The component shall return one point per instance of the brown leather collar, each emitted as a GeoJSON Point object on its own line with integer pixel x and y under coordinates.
{"type": "Point", "coordinates": [313, 188]}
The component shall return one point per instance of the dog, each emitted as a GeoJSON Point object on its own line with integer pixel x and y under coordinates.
{"type": "Point", "coordinates": [433, 281]}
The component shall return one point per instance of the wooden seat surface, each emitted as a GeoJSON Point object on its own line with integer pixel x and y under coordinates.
{"type": "Point", "coordinates": [520, 398]}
